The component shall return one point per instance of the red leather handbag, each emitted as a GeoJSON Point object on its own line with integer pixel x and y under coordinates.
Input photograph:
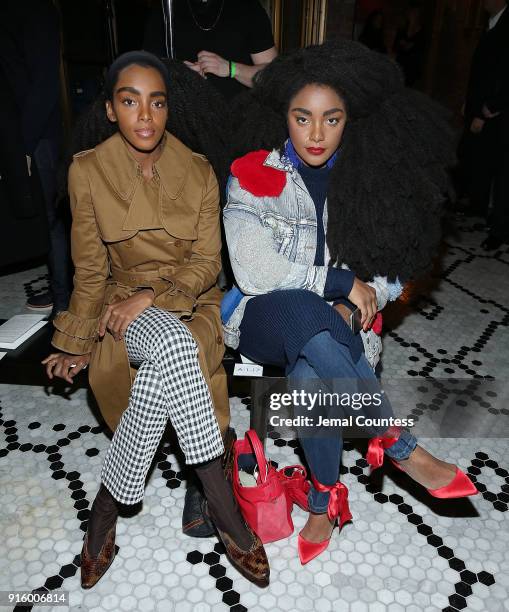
{"type": "Point", "coordinates": [265, 506]}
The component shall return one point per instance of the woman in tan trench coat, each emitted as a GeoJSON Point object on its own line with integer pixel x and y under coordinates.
{"type": "Point", "coordinates": [146, 246]}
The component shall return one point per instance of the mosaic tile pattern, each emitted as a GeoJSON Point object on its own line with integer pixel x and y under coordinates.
{"type": "Point", "coordinates": [404, 551]}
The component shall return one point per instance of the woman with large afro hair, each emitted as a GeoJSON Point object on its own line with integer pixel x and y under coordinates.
{"type": "Point", "coordinates": [334, 201]}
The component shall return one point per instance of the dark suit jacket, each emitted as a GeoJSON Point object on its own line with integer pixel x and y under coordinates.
{"type": "Point", "coordinates": [30, 59]}
{"type": "Point", "coordinates": [29, 108]}
{"type": "Point", "coordinates": [489, 71]}
{"type": "Point", "coordinates": [23, 231]}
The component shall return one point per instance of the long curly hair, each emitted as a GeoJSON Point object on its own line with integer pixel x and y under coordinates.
{"type": "Point", "coordinates": [197, 117]}
{"type": "Point", "coordinates": [390, 179]}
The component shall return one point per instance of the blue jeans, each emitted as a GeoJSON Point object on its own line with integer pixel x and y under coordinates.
{"type": "Point", "coordinates": [325, 359]}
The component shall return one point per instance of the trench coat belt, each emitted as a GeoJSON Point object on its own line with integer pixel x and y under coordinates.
{"type": "Point", "coordinates": [137, 279]}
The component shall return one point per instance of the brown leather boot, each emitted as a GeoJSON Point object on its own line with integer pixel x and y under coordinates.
{"type": "Point", "coordinates": [253, 563]}
{"type": "Point", "coordinates": [93, 568]}
{"type": "Point", "coordinates": [243, 547]}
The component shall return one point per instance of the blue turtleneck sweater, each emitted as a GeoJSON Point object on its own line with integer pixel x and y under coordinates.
{"type": "Point", "coordinates": [339, 282]}
{"type": "Point", "coordinates": [316, 181]}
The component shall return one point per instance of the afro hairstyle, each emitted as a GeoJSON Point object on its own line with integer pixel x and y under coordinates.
{"type": "Point", "coordinates": [388, 185]}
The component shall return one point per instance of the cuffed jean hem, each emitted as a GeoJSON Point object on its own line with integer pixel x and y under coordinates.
{"type": "Point", "coordinates": [317, 501]}
{"type": "Point", "coordinates": [399, 451]}
{"type": "Point", "coordinates": [402, 448]}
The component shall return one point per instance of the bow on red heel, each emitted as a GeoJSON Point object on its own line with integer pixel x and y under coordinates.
{"type": "Point", "coordinates": [460, 485]}
{"type": "Point", "coordinates": [376, 448]}
{"type": "Point", "coordinates": [337, 508]}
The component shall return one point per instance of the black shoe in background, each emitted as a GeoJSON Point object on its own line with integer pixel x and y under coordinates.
{"type": "Point", "coordinates": [40, 302]}
{"type": "Point", "coordinates": [195, 520]}
{"type": "Point", "coordinates": [491, 243]}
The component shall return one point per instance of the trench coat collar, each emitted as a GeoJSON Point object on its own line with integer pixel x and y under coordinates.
{"type": "Point", "coordinates": [122, 170]}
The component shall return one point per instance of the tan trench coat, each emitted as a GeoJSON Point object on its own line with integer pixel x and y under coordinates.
{"type": "Point", "coordinates": [123, 240]}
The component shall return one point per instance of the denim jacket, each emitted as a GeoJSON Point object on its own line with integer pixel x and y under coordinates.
{"type": "Point", "coordinates": [272, 246]}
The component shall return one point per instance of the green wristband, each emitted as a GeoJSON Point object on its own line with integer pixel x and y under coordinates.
{"type": "Point", "coordinates": [233, 70]}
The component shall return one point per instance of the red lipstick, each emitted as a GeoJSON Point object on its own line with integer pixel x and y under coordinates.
{"type": "Point", "coordinates": [315, 150]}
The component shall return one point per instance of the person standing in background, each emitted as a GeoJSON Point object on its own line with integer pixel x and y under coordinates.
{"type": "Point", "coordinates": [30, 59]}
{"type": "Point", "coordinates": [22, 208]}
{"type": "Point", "coordinates": [373, 34]}
{"type": "Point", "coordinates": [485, 144]}
{"type": "Point", "coordinates": [410, 46]}
{"type": "Point", "coordinates": [226, 41]}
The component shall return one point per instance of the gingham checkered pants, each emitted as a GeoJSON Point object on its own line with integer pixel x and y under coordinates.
{"type": "Point", "coordinates": [169, 384]}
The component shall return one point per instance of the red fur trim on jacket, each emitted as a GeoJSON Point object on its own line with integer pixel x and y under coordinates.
{"type": "Point", "coordinates": [256, 178]}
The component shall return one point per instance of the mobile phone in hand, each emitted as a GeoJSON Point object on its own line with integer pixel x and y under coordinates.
{"type": "Point", "coordinates": [355, 321]}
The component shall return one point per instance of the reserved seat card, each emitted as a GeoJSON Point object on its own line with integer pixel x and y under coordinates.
{"type": "Point", "coordinates": [19, 328]}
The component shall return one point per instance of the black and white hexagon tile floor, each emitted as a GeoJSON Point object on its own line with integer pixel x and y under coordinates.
{"type": "Point", "coordinates": [403, 551]}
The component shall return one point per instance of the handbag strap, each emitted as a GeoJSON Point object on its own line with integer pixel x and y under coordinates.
{"type": "Point", "coordinates": [257, 447]}
{"type": "Point", "coordinates": [298, 472]}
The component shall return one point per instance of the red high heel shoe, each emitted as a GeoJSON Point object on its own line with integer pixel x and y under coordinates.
{"type": "Point", "coordinates": [338, 508]}
{"type": "Point", "coordinates": [460, 485]}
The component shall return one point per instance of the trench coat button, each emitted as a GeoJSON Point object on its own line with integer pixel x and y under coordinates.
{"type": "Point", "coordinates": [219, 340]}
{"type": "Point", "coordinates": [178, 243]}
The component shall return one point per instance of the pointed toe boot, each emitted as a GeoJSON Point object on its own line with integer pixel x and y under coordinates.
{"type": "Point", "coordinates": [253, 563]}
{"type": "Point", "coordinates": [93, 568]}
